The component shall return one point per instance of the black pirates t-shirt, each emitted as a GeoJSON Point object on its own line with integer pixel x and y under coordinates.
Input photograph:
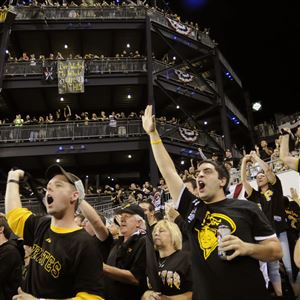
{"type": "Point", "coordinates": [213, 277]}
{"type": "Point", "coordinates": [272, 204]}
{"type": "Point", "coordinates": [175, 273]}
{"type": "Point", "coordinates": [63, 263]}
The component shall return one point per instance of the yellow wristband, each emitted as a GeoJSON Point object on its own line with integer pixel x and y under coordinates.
{"type": "Point", "coordinates": [156, 142]}
{"type": "Point", "coordinates": [13, 181]}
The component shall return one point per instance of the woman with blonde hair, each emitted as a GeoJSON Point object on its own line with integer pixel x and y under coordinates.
{"type": "Point", "coordinates": [174, 267]}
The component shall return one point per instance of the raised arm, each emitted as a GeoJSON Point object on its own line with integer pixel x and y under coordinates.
{"type": "Point", "coordinates": [90, 213]}
{"type": "Point", "coordinates": [248, 188]}
{"type": "Point", "coordinates": [290, 161]}
{"type": "Point", "coordinates": [266, 168]}
{"type": "Point", "coordinates": [12, 194]}
{"type": "Point", "coordinates": [162, 157]}
{"type": "Point", "coordinates": [69, 110]}
{"type": "Point", "coordinates": [202, 155]}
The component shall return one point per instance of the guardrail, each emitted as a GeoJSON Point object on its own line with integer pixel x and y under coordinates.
{"type": "Point", "coordinates": [95, 129]}
{"type": "Point", "coordinates": [107, 65]}
{"type": "Point", "coordinates": [79, 12]}
{"type": "Point", "coordinates": [97, 12]}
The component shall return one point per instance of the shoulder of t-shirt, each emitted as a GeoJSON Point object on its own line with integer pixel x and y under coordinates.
{"type": "Point", "coordinates": [39, 221]}
{"type": "Point", "coordinates": [277, 181]}
{"type": "Point", "coordinates": [241, 203]}
{"type": "Point", "coordinates": [253, 193]}
{"type": "Point", "coordinates": [187, 194]}
{"type": "Point", "coordinates": [10, 251]}
{"type": "Point", "coordinates": [141, 237]}
{"type": "Point", "coordinates": [182, 253]}
{"type": "Point", "coordinates": [7, 247]}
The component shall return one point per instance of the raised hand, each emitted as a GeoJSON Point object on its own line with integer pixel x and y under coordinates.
{"type": "Point", "coordinates": [247, 158]}
{"type": "Point", "coordinates": [16, 174]}
{"type": "Point", "coordinates": [148, 120]}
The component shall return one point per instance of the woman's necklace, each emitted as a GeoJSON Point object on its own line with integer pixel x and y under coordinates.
{"type": "Point", "coordinates": [162, 261]}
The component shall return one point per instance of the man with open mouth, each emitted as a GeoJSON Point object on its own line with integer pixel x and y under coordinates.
{"type": "Point", "coordinates": [235, 275]}
{"type": "Point", "coordinates": [64, 262]}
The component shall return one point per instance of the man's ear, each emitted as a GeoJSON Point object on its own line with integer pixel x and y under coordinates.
{"type": "Point", "coordinates": [223, 181]}
{"type": "Point", "coordinates": [139, 224]}
{"type": "Point", "coordinates": [75, 196]}
{"type": "Point", "coordinates": [1, 229]}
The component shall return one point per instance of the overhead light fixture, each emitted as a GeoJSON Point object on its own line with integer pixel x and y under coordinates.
{"type": "Point", "coordinates": [129, 156]}
{"type": "Point", "coordinates": [182, 162]}
{"type": "Point", "coordinates": [174, 57]}
{"type": "Point", "coordinates": [128, 45]}
{"type": "Point", "coordinates": [58, 160]}
{"type": "Point", "coordinates": [129, 96]}
{"type": "Point", "coordinates": [205, 122]}
{"type": "Point", "coordinates": [177, 106]}
{"type": "Point", "coordinates": [256, 106]}
{"type": "Point", "coordinates": [66, 46]}
{"type": "Point", "coordinates": [62, 99]}
{"type": "Point", "coordinates": [6, 51]}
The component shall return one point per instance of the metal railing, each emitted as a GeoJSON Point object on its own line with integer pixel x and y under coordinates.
{"type": "Point", "coordinates": [105, 65]}
{"type": "Point", "coordinates": [93, 129]}
{"type": "Point", "coordinates": [80, 12]}
{"type": "Point", "coordinates": [70, 130]}
{"type": "Point", "coordinates": [134, 12]}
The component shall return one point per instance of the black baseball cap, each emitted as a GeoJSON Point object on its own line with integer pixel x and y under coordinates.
{"type": "Point", "coordinates": [56, 169]}
{"type": "Point", "coordinates": [132, 209]}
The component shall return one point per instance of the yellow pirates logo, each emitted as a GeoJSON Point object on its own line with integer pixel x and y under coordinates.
{"type": "Point", "coordinates": [207, 234]}
{"type": "Point", "coordinates": [268, 195]}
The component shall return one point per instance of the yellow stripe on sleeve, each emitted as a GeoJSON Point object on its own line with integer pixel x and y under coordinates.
{"type": "Point", "coordinates": [16, 219]}
{"type": "Point", "coordinates": [86, 296]}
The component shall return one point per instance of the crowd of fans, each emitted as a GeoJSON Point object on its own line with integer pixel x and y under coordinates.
{"type": "Point", "coordinates": [89, 56]}
{"type": "Point", "coordinates": [156, 247]}
{"type": "Point", "coordinates": [113, 4]}
{"type": "Point", "coordinates": [123, 240]}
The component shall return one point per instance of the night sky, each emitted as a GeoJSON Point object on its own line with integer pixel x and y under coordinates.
{"type": "Point", "coordinates": [260, 40]}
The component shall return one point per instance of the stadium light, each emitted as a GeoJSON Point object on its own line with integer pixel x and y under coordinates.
{"type": "Point", "coordinates": [256, 106]}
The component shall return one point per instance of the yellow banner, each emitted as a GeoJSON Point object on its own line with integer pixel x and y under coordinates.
{"type": "Point", "coordinates": [70, 75]}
